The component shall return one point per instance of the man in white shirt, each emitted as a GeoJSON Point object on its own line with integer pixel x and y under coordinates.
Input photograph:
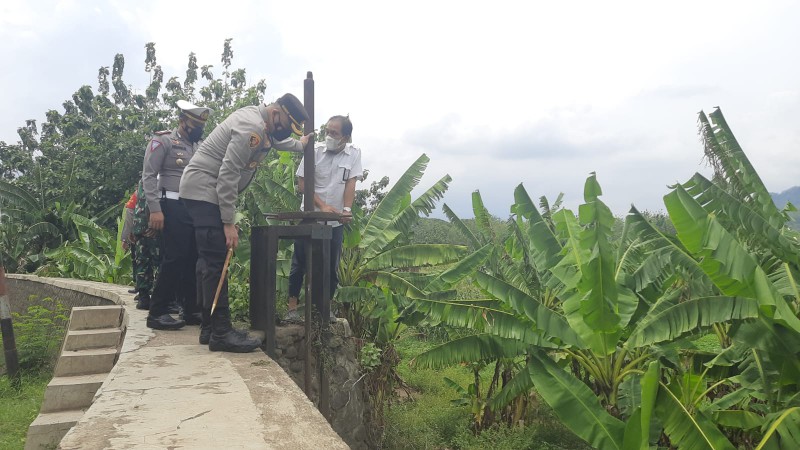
{"type": "Point", "coordinates": [337, 169]}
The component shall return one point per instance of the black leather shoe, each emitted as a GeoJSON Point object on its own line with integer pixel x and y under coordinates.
{"type": "Point", "coordinates": [193, 318]}
{"type": "Point", "coordinates": [164, 322]}
{"type": "Point", "coordinates": [233, 342]}
{"type": "Point", "coordinates": [132, 291]}
{"type": "Point", "coordinates": [175, 308]}
{"type": "Point", "coordinates": [142, 302]}
{"type": "Point", "coordinates": [205, 335]}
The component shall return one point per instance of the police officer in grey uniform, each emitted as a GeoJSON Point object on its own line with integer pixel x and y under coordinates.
{"type": "Point", "coordinates": [223, 167]}
{"type": "Point", "coordinates": [167, 155]}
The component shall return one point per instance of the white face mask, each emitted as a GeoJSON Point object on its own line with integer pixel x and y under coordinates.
{"type": "Point", "coordinates": [334, 145]}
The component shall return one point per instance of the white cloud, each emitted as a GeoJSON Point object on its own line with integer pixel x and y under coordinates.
{"type": "Point", "coordinates": [496, 94]}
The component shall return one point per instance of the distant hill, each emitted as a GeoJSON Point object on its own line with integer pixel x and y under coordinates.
{"type": "Point", "coordinates": [790, 195]}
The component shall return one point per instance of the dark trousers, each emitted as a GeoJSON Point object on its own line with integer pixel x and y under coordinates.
{"type": "Point", "coordinates": [211, 252]}
{"type": "Point", "coordinates": [298, 269]}
{"type": "Point", "coordinates": [176, 275]}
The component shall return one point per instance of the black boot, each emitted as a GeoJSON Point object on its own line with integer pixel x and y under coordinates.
{"type": "Point", "coordinates": [192, 318]}
{"type": "Point", "coordinates": [133, 291]}
{"type": "Point", "coordinates": [225, 339]}
{"type": "Point", "coordinates": [142, 301]}
{"type": "Point", "coordinates": [205, 327]}
{"type": "Point", "coordinates": [164, 322]}
{"type": "Point", "coordinates": [175, 308]}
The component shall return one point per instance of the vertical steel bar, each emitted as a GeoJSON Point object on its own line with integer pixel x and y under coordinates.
{"type": "Point", "coordinates": [259, 265]}
{"type": "Point", "coordinates": [308, 318]}
{"type": "Point", "coordinates": [322, 302]}
{"type": "Point", "coordinates": [308, 151]}
{"type": "Point", "coordinates": [7, 329]}
{"type": "Point", "coordinates": [270, 282]}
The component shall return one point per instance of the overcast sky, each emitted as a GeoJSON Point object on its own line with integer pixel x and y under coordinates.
{"type": "Point", "coordinates": [495, 93]}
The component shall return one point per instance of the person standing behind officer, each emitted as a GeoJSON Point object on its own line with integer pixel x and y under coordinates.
{"type": "Point", "coordinates": [223, 167]}
{"type": "Point", "coordinates": [147, 251]}
{"type": "Point", "coordinates": [166, 157]}
{"type": "Point", "coordinates": [337, 168]}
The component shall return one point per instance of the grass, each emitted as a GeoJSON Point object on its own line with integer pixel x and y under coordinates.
{"type": "Point", "coordinates": [19, 407]}
{"type": "Point", "coordinates": [430, 421]}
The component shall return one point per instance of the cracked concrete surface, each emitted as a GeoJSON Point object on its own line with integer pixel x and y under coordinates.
{"type": "Point", "coordinates": [168, 392]}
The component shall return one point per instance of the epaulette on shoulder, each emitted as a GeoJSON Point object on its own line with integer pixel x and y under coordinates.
{"type": "Point", "coordinates": [161, 133]}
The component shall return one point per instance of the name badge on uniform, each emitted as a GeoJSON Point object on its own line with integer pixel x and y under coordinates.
{"type": "Point", "coordinates": [345, 174]}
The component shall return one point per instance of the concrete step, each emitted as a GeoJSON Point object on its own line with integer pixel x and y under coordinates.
{"type": "Point", "coordinates": [49, 428]}
{"type": "Point", "coordinates": [65, 393]}
{"type": "Point", "coordinates": [97, 338]}
{"type": "Point", "coordinates": [85, 362]}
{"type": "Point", "coordinates": [93, 317]}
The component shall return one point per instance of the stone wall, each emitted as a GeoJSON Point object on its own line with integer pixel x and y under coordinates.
{"type": "Point", "coordinates": [28, 291]}
{"type": "Point", "coordinates": [348, 399]}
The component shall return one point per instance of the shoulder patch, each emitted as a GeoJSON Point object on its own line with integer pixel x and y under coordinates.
{"type": "Point", "coordinates": [161, 133]}
{"type": "Point", "coordinates": [154, 144]}
{"type": "Point", "coordinates": [255, 140]}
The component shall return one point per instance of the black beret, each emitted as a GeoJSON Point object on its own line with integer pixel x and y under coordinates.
{"type": "Point", "coordinates": [295, 110]}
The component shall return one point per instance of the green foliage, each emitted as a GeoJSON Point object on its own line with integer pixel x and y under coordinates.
{"type": "Point", "coordinates": [95, 255]}
{"type": "Point", "coordinates": [39, 333]}
{"type": "Point", "coordinates": [369, 357]}
{"type": "Point", "coordinates": [20, 406]}
{"type": "Point", "coordinates": [89, 156]}
{"type": "Point", "coordinates": [592, 307]}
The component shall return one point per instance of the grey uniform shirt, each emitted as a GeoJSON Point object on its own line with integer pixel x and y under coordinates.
{"type": "Point", "coordinates": [167, 155]}
{"type": "Point", "coordinates": [331, 172]}
{"type": "Point", "coordinates": [226, 162]}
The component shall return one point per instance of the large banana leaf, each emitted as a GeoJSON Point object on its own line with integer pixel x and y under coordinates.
{"type": "Point", "coordinates": [460, 226]}
{"type": "Point", "coordinates": [395, 283]}
{"type": "Point", "coordinates": [783, 432]}
{"type": "Point", "coordinates": [482, 217]}
{"type": "Point", "coordinates": [409, 214]}
{"type": "Point", "coordinates": [478, 347]}
{"type": "Point", "coordinates": [544, 319]}
{"type": "Point", "coordinates": [483, 319]}
{"type": "Point", "coordinates": [374, 235]}
{"type": "Point", "coordinates": [14, 195]}
{"type": "Point", "coordinates": [664, 255]}
{"type": "Point", "coordinates": [730, 162]}
{"type": "Point", "coordinates": [731, 267]}
{"type": "Point", "coordinates": [741, 215]}
{"type": "Point", "coordinates": [464, 268]}
{"type": "Point", "coordinates": [599, 306]}
{"type": "Point", "coordinates": [689, 430]}
{"type": "Point", "coordinates": [417, 255]}
{"type": "Point", "coordinates": [547, 249]}
{"type": "Point", "coordinates": [575, 404]}
{"type": "Point", "coordinates": [639, 426]}
{"type": "Point", "coordinates": [668, 320]}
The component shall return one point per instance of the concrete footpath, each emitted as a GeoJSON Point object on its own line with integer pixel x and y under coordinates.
{"type": "Point", "coordinates": [168, 392]}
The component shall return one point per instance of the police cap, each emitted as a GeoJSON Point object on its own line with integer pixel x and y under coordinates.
{"type": "Point", "coordinates": [295, 110]}
{"type": "Point", "coordinates": [198, 113]}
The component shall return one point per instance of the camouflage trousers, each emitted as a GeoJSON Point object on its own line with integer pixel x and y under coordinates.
{"type": "Point", "coordinates": [147, 258]}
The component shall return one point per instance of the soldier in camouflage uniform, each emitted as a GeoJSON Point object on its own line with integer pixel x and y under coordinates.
{"type": "Point", "coordinates": [147, 253]}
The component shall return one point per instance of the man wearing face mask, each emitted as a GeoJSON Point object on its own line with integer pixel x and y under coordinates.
{"type": "Point", "coordinates": [337, 169]}
{"type": "Point", "coordinates": [165, 159]}
{"type": "Point", "coordinates": [223, 167]}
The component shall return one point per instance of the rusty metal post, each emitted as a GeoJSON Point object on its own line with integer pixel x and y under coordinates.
{"type": "Point", "coordinates": [308, 151]}
{"type": "Point", "coordinates": [7, 329]}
